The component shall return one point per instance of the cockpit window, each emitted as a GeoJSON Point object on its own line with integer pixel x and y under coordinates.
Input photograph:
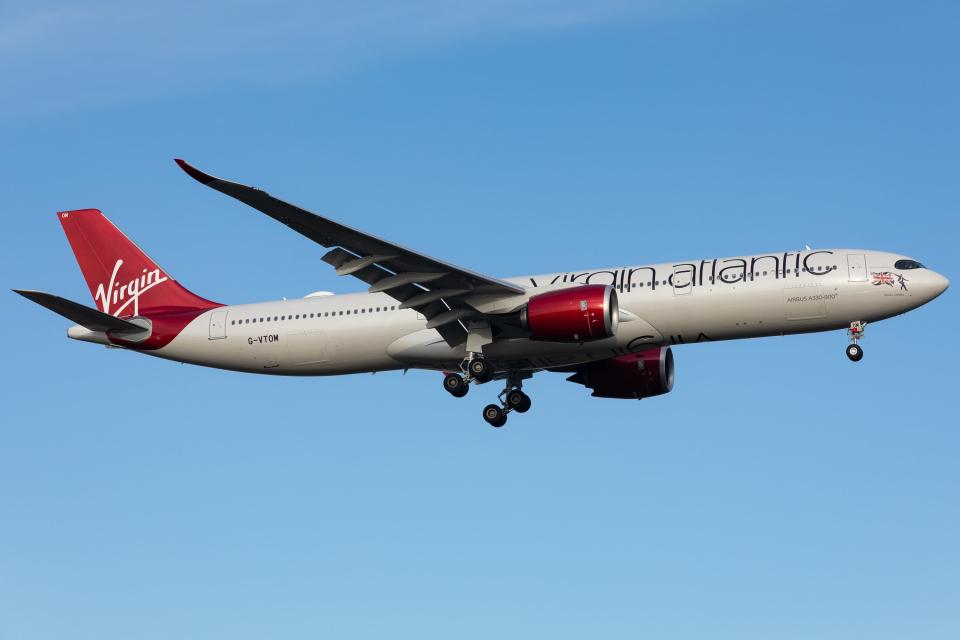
{"type": "Point", "coordinates": [907, 264]}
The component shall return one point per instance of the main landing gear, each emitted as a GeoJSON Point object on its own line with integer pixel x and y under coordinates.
{"type": "Point", "coordinates": [512, 398]}
{"type": "Point", "coordinates": [854, 350]}
{"type": "Point", "coordinates": [475, 368]}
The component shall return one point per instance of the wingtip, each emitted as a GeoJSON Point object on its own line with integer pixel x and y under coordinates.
{"type": "Point", "coordinates": [193, 172]}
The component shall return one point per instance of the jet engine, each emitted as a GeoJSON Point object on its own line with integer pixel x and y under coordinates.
{"type": "Point", "coordinates": [638, 375]}
{"type": "Point", "coordinates": [576, 314]}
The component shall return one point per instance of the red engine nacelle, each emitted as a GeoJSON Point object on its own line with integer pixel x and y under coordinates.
{"type": "Point", "coordinates": [576, 314]}
{"type": "Point", "coordinates": [638, 375]}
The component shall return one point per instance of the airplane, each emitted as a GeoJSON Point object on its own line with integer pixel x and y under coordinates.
{"type": "Point", "coordinates": [611, 329]}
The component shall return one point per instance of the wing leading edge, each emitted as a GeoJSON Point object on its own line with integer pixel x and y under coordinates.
{"type": "Point", "coordinates": [434, 288]}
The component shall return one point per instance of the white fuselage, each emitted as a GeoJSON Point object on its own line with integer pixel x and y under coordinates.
{"type": "Point", "coordinates": [661, 304]}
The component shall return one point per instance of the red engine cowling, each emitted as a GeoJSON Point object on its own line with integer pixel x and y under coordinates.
{"type": "Point", "coordinates": [576, 314]}
{"type": "Point", "coordinates": [638, 375]}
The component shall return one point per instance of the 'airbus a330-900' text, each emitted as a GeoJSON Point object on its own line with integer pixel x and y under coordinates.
{"type": "Point", "coordinates": [610, 329]}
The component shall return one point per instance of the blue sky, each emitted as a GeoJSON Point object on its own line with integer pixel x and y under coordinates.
{"type": "Point", "coordinates": [778, 491]}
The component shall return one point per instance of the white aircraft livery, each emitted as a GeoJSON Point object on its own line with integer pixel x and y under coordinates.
{"type": "Point", "coordinates": [610, 329]}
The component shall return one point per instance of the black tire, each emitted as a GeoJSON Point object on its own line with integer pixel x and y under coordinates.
{"type": "Point", "coordinates": [455, 385]}
{"type": "Point", "coordinates": [523, 408]}
{"type": "Point", "coordinates": [494, 415]}
{"type": "Point", "coordinates": [480, 370]}
{"type": "Point", "coordinates": [854, 352]}
{"type": "Point", "coordinates": [518, 400]}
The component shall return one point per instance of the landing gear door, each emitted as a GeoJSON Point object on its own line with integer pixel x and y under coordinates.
{"type": "Point", "coordinates": [856, 267]}
{"type": "Point", "coordinates": [218, 325]}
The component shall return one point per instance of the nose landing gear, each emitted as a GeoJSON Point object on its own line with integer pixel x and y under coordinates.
{"type": "Point", "coordinates": [854, 350]}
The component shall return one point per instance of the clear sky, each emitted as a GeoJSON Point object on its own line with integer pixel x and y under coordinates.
{"type": "Point", "coordinates": [779, 491]}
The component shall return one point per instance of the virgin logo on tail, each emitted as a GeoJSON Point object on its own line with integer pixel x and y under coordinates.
{"type": "Point", "coordinates": [123, 294]}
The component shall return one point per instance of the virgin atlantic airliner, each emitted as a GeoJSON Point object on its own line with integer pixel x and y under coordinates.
{"type": "Point", "coordinates": [610, 329]}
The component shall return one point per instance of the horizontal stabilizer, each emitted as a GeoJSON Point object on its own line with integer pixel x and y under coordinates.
{"type": "Point", "coordinates": [92, 319]}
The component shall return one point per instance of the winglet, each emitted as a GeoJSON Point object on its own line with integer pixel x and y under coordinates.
{"type": "Point", "coordinates": [193, 172]}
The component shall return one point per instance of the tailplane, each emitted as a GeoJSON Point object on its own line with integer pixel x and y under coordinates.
{"type": "Point", "coordinates": [123, 280]}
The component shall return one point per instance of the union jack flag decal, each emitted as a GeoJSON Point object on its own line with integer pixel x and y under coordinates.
{"type": "Point", "coordinates": [883, 277]}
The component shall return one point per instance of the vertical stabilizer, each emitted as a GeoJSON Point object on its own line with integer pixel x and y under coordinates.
{"type": "Point", "coordinates": [123, 280]}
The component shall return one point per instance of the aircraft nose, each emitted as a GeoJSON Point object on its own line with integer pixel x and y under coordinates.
{"type": "Point", "coordinates": [940, 284]}
{"type": "Point", "coordinates": [932, 285]}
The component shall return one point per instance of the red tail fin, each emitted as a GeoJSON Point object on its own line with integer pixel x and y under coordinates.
{"type": "Point", "coordinates": [124, 281]}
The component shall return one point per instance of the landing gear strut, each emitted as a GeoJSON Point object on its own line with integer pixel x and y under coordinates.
{"type": "Point", "coordinates": [854, 350]}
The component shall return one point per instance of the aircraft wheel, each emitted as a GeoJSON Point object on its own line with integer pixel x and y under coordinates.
{"type": "Point", "coordinates": [523, 408]}
{"type": "Point", "coordinates": [480, 370]}
{"type": "Point", "coordinates": [455, 385]}
{"type": "Point", "coordinates": [854, 352]}
{"type": "Point", "coordinates": [494, 415]}
{"type": "Point", "coordinates": [518, 401]}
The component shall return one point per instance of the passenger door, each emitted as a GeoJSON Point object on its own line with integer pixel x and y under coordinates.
{"type": "Point", "coordinates": [218, 325]}
{"type": "Point", "coordinates": [856, 267]}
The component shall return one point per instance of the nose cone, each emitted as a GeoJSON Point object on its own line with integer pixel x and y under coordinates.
{"type": "Point", "coordinates": [940, 284]}
{"type": "Point", "coordinates": [934, 285]}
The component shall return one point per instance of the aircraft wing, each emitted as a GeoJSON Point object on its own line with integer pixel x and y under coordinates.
{"type": "Point", "coordinates": [432, 287]}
